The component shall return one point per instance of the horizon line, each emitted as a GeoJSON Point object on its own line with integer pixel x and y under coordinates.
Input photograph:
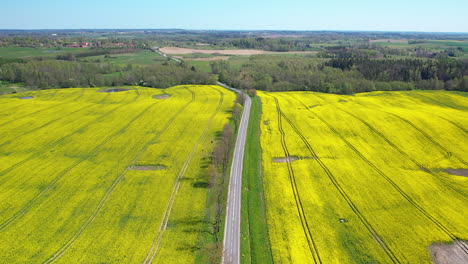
{"type": "Point", "coordinates": [245, 30]}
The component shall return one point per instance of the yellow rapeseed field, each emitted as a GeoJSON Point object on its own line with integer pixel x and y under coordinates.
{"type": "Point", "coordinates": [95, 177]}
{"type": "Point", "coordinates": [365, 181]}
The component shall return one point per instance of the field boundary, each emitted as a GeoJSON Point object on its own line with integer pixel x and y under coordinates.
{"type": "Point", "coordinates": [254, 225]}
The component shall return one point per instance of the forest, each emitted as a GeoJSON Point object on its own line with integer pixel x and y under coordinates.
{"type": "Point", "coordinates": [345, 75]}
{"type": "Point", "coordinates": [64, 74]}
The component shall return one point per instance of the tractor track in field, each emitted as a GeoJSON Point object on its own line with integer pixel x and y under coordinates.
{"type": "Point", "coordinates": [394, 185]}
{"type": "Point", "coordinates": [110, 190]}
{"type": "Point", "coordinates": [406, 155]}
{"type": "Point", "coordinates": [441, 103]}
{"type": "Point", "coordinates": [42, 110]}
{"type": "Point", "coordinates": [453, 123]}
{"type": "Point", "coordinates": [427, 136]}
{"type": "Point", "coordinates": [50, 122]}
{"type": "Point", "coordinates": [11, 109]}
{"type": "Point", "coordinates": [292, 179]}
{"type": "Point", "coordinates": [42, 126]}
{"type": "Point", "coordinates": [61, 140]}
{"type": "Point", "coordinates": [154, 249]}
{"type": "Point", "coordinates": [22, 105]}
{"type": "Point", "coordinates": [409, 157]}
{"type": "Point", "coordinates": [30, 203]}
{"type": "Point", "coordinates": [343, 193]}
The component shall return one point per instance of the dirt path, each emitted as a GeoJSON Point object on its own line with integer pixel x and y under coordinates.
{"type": "Point", "coordinates": [245, 52]}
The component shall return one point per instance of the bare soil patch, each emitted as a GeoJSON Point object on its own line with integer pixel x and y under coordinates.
{"type": "Point", "coordinates": [288, 159]}
{"type": "Point", "coordinates": [211, 59]}
{"type": "Point", "coordinates": [405, 41]}
{"type": "Point", "coordinates": [147, 167]}
{"type": "Point", "coordinates": [457, 172]}
{"type": "Point", "coordinates": [113, 90]}
{"type": "Point", "coordinates": [161, 96]}
{"type": "Point", "coordinates": [245, 52]}
{"type": "Point", "coordinates": [448, 253]}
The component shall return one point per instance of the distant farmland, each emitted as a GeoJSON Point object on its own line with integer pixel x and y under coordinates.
{"type": "Point", "coordinates": [97, 177]}
{"type": "Point", "coordinates": [361, 179]}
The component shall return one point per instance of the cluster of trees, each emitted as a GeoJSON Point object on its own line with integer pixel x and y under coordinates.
{"type": "Point", "coordinates": [343, 75]}
{"type": "Point", "coordinates": [63, 74]}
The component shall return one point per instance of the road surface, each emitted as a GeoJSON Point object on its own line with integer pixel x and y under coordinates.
{"type": "Point", "coordinates": [231, 243]}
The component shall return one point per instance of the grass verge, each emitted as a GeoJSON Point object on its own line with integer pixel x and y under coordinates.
{"type": "Point", "coordinates": [255, 244]}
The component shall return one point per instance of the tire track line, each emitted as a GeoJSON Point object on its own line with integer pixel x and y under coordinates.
{"type": "Point", "coordinates": [441, 103]}
{"type": "Point", "coordinates": [344, 195]}
{"type": "Point", "coordinates": [292, 179]}
{"type": "Point", "coordinates": [406, 155]}
{"type": "Point", "coordinates": [422, 132]}
{"type": "Point", "coordinates": [154, 249]}
{"type": "Point", "coordinates": [432, 114]}
{"type": "Point", "coordinates": [29, 204]}
{"type": "Point", "coordinates": [61, 140]}
{"type": "Point", "coordinates": [42, 126]}
{"type": "Point", "coordinates": [110, 190]}
{"type": "Point", "coordinates": [394, 185]}
{"type": "Point", "coordinates": [13, 108]}
{"type": "Point", "coordinates": [42, 110]}
{"type": "Point", "coordinates": [427, 136]}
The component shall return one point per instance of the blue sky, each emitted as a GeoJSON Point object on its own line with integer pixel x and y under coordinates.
{"type": "Point", "coordinates": [389, 15]}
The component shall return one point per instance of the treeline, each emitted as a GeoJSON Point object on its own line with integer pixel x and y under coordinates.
{"type": "Point", "coordinates": [217, 181]}
{"type": "Point", "coordinates": [270, 44]}
{"type": "Point", "coordinates": [406, 70]}
{"type": "Point", "coordinates": [64, 74]}
{"type": "Point", "coordinates": [96, 52]}
{"type": "Point", "coordinates": [343, 75]}
{"type": "Point", "coordinates": [61, 41]}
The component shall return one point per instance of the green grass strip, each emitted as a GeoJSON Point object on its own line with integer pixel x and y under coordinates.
{"type": "Point", "coordinates": [255, 244]}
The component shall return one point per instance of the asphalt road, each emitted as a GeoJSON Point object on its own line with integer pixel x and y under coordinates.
{"type": "Point", "coordinates": [231, 243]}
